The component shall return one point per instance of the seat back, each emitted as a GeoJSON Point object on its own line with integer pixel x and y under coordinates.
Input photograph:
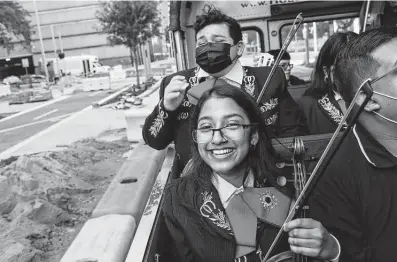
{"type": "Point", "coordinates": [298, 91]}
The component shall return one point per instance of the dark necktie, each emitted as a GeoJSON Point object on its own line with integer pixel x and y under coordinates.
{"type": "Point", "coordinates": [203, 79]}
{"type": "Point", "coordinates": [267, 204]}
{"type": "Point", "coordinates": [243, 222]}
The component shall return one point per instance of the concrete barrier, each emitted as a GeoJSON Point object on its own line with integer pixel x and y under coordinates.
{"type": "Point", "coordinates": [117, 74]}
{"type": "Point", "coordinates": [128, 192]}
{"type": "Point", "coordinates": [95, 84]}
{"type": "Point", "coordinates": [135, 118]}
{"type": "Point", "coordinates": [158, 71]}
{"type": "Point", "coordinates": [103, 239]}
{"type": "Point", "coordinates": [142, 235]}
{"type": "Point", "coordinates": [5, 90]}
{"type": "Point", "coordinates": [5, 107]}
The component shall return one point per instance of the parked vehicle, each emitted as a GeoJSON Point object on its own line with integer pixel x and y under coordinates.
{"type": "Point", "coordinates": [82, 65]}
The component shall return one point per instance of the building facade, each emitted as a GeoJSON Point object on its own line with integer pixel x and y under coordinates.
{"type": "Point", "coordinates": [71, 27]}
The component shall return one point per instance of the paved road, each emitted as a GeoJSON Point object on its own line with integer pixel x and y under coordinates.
{"type": "Point", "coordinates": [17, 129]}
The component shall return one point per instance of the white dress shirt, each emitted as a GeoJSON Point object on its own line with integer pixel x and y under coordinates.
{"type": "Point", "coordinates": [234, 76]}
{"type": "Point", "coordinates": [342, 104]}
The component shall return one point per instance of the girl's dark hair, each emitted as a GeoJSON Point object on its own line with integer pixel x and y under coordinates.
{"type": "Point", "coordinates": [326, 58]}
{"type": "Point", "coordinates": [261, 158]}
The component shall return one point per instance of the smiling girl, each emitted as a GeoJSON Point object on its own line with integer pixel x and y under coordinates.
{"type": "Point", "coordinates": [228, 206]}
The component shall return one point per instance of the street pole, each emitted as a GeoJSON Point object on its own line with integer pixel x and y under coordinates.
{"type": "Point", "coordinates": [55, 49]}
{"type": "Point", "coordinates": [307, 50]}
{"type": "Point", "coordinates": [60, 41]}
{"type": "Point", "coordinates": [315, 37]}
{"type": "Point", "coordinates": [41, 40]}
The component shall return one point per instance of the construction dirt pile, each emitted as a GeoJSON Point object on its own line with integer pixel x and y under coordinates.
{"type": "Point", "coordinates": [45, 198]}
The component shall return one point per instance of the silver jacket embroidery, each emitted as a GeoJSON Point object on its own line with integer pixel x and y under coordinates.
{"type": "Point", "coordinates": [332, 111]}
{"type": "Point", "coordinates": [249, 83]}
{"type": "Point", "coordinates": [208, 210]}
{"type": "Point", "coordinates": [273, 102]}
{"type": "Point", "coordinates": [158, 123]}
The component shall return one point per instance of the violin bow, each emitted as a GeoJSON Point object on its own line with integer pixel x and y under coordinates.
{"type": "Point", "coordinates": [294, 28]}
{"type": "Point", "coordinates": [319, 169]}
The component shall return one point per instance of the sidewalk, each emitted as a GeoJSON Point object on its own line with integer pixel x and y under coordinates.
{"type": "Point", "coordinates": [88, 123]}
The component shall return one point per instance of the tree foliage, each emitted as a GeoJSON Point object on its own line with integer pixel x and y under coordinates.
{"type": "Point", "coordinates": [130, 23]}
{"type": "Point", "coordinates": [14, 25]}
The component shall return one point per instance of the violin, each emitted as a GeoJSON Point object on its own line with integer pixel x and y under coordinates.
{"type": "Point", "coordinates": [300, 179]}
{"type": "Point", "coordinates": [300, 173]}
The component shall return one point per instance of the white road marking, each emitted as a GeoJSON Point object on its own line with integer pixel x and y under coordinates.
{"type": "Point", "coordinates": [54, 119]}
{"type": "Point", "coordinates": [34, 108]}
{"type": "Point", "coordinates": [95, 93]}
{"type": "Point", "coordinates": [45, 114]}
{"type": "Point", "coordinates": [8, 153]}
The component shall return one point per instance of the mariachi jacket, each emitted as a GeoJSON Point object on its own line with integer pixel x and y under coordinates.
{"type": "Point", "coordinates": [200, 229]}
{"type": "Point", "coordinates": [281, 112]}
{"type": "Point", "coordinates": [322, 114]}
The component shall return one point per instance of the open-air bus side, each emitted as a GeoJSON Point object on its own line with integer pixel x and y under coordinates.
{"type": "Point", "coordinates": [264, 23]}
{"type": "Point", "coordinates": [267, 22]}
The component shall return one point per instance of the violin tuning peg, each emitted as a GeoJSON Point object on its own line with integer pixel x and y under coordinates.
{"type": "Point", "coordinates": [283, 164]}
{"type": "Point", "coordinates": [281, 180]}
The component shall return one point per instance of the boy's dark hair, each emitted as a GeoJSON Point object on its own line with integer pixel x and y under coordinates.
{"type": "Point", "coordinates": [211, 15]}
{"type": "Point", "coordinates": [354, 63]}
{"type": "Point", "coordinates": [275, 52]}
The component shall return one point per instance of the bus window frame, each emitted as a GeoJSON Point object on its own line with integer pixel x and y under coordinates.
{"type": "Point", "coordinates": [261, 35]}
{"type": "Point", "coordinates": [307, 20]}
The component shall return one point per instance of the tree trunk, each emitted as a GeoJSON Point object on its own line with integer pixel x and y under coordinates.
{"type": "Point", "coordinates": [136, 67]}
{"type": "Point", "coordinates": [140, 54]}
{"type": "Point", "coordinates": [132, 64]}
{"type": "Point", "coordinates": [131, 57]}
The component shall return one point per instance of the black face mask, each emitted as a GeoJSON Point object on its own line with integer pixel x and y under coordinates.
{"type": "Point", "coordinates": [213, 57]}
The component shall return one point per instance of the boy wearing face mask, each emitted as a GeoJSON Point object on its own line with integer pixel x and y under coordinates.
{"type": "Point", "coordinates": [218, 49]}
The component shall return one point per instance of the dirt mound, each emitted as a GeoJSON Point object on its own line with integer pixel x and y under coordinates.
{"type": "Point", "coordinates": [45, 198]}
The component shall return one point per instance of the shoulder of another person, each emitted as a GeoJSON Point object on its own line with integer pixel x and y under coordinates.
{"type": "Point", "coordinates": [296, 78]}
{"type": "Point", "coordinates": [264, 71]}
{"type": "Point", "coordinates": [347, 159]}
{"type": "Point", "coordinates": [258, 70]}
{"type": "Point", "coordinates": [308, 101]}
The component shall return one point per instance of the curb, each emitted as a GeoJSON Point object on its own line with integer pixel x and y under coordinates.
{"type": "Point", "coordinates": [147, 222]}
{"type": "Point", "coordinates": [146, 93]}
{"type": "Point", "coordinates": [104, 239]}
{"type": "Point", "coordinates": [151, 90]}
{"type": "Point", "coordinates": [108, 234]}
{"type": "Point", "coordinates": [130, 189]}
{"type": "Point", "coordinates": [112, 96]}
